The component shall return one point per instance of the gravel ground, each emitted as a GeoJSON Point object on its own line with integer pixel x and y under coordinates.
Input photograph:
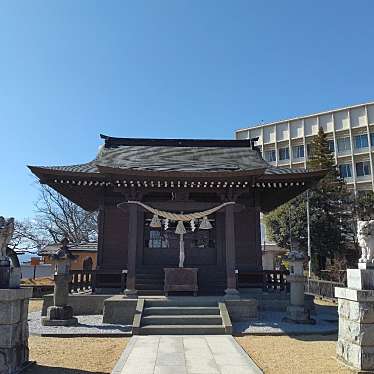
{"type": "Point", "coordinates": [270, 323]}
{"type": "Point", "coordinates": [74, 355]}
{"type": "Point", "coordinates": [87, 326]}
{"type": "Point", "coordinates": [289, 355]}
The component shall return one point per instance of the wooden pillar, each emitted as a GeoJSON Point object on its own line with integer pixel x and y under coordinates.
{"type": "Point", "coordinates": [231, 290]}
{"type": "Point", "coordinates": [130, 290]}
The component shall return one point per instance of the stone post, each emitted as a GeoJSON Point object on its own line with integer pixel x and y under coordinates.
{"type": "Point", "coordinates": [61, 314]}
{"type": "Point", "coordinates": [14, 329]}
{"type": "Point", "coordinates": [355, 346]}
{"type": "Point", "coordinates": [296, 311]}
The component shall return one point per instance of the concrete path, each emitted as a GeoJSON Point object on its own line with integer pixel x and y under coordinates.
{"type": "Point", "coordinates": [185, 354]}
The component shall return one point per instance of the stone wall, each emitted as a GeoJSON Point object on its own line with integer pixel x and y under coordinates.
{"type": "Point", "coordinates": [85, 304]}
{"type": "Point", "coordinates": [242, 309]}
{"type": "Point", "coordinates": [14, 329]}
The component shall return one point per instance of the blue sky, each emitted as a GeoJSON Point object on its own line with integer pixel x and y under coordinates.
{"type": "Point", "coordinates": [70, 70]}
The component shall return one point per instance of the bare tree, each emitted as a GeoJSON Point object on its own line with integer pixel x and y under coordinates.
{"type": "Point", "coordinates": [27, 237]}
{"type": "Point", "coordinates": [58, 217]}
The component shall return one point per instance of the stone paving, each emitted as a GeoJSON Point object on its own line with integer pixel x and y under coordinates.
{"type": "Point", "coordinates": [185, 354]}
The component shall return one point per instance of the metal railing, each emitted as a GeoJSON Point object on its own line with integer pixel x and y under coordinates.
{"type": "Point", "coordinates": [322, 288]}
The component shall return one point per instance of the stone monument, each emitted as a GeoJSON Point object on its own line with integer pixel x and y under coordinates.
{"type": "Point", "coordinates": [297, 312]}
{"type": "Point", "coordinates": [355, 346]}
{"type": "Point", "coordinates": [61, 314]}
{"type": "Point", "coordinates": [14, 303]}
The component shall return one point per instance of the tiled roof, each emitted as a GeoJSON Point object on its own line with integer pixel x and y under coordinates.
{"type": "Point", "coordinates": [184, 156]}
{"type": "Point", "coordinates": [51, 249]}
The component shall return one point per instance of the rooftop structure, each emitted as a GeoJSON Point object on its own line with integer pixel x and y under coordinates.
{"type": "Point", "coordinates": [350, 132]}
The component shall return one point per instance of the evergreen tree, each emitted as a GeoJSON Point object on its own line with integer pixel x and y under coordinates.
{"type": "Point", "coordinates": [330, 212]}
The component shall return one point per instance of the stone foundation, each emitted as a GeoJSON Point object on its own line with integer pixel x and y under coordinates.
{"type": "Point", "coordinates": [355, 346]}
{"type": "Point", "coordinates": [85, 304]}
{"type": "Point", "coordinates": [118, 309]}
{"type": "Point", "coordinates": [14, 329]}
{"type": "Point", "coordinates": [242, 309]}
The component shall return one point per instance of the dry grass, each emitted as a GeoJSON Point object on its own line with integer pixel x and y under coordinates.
{"type": "Point", "coordinates": [42, 281]}
{"type": "Point", "coordinates": [74, 355]}
{"type": "Point", "coordinates": [35, 305]}
{"type": "Point", "coordinates": [293, 355]}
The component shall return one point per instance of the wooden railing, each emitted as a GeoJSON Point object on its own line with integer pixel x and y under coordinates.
{"type": "Point", "coordinates": [82, 280]}
{"type": "Point", "coordinates": [267, 279]}
{"type": "Point", "coordinates": [322, 288]}
{"type": "Point", "coordinates": [275, 280]}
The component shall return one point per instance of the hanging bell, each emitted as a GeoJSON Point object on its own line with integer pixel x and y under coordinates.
{"type": "Point", "coordinates": [205, 224]}
{"type": "Point", "coordinates": [180, 228]}
{"type": "Point", "coordinates": [155, 223]}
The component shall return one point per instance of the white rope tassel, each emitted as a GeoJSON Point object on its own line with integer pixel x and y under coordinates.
{"type": "Point", "coordinates": [180, 228]}
{"type": "Point", "coordinates": [181, 251]}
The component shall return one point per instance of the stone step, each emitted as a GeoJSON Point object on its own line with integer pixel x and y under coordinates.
{"type": "Point", "coordinates": [182, 330]}
{"type": "Point", "coordinates": [181, 320]}
{"type": "Point", "coordinates": [180, 301]}
{"type": "Point", "coordinates": [184, 310]}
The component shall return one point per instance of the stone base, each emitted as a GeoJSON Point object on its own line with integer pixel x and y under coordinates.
{"type": "Point", "coordinates": [360, 279]}
{"type": "Point", "coordinates": [355, 346]}
{"type": "Point", "coordinates": [355, 356]}
{"type": "Point", "coordinates": [119, 309]}
{"type": "Point", "coordinates": [130, 294]}
{"type": "Point", "coordinates": [231, 294]}
{"type": "Point", "coordinates": [82, 304]}
{"type": "Point", "coordinates": [14, 329]}
{"type": "Point", "coordinates": [242, 310]}
{"type": "Point", "coordinates": [60, 312]}
{"type": "Point", "coordinates": [59, 316]}
{"type": "Point", "coordinates": [59, 322]}
{"type": "Point", "coordinates": [298, 314]}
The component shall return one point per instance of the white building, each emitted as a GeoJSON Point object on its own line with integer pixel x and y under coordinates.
{"type": "Point", "coordinates": [350, 133]}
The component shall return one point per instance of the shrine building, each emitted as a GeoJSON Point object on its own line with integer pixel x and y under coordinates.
{"type": "Point", "coordinates": [176, 203]}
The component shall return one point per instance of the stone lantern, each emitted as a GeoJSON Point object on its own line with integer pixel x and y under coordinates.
{"type": "Point", "coordinates": [296, 311]}
{"type": "Point", "coordinates": [61, 314]}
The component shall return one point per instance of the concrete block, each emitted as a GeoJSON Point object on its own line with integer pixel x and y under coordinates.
{"type": "Point", "coordinates": [354, 355]}
{"type": "Point", "coordinates": [118, 309]}
{"type": "Point", "coordinates": [10, 335]}
{"type": "Point", "coordinates": [242, 309]}
{"type": "Point", "coordinates": [360, 279]}
{"type": "Point", "coordinates": [354, 295]}
{"type": "Point", "coordinates": [10, 311]}
{"type": "Point", "coordinates": [15, 294]}
{"type": "Point", "coordinates": [82, 304]}
{"type": "Point", "coordinates": [356, 311]}
{"type": "Point", "coordinates": [355, 332]}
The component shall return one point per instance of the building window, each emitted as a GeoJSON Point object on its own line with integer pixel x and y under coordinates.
{"type": "Point", "coordinates": [331, 146]}
{"type": "Point", "coordinates": [361, 141]}
{"type": "Point", "coordinates": [284, 153]}
{"type": "Point", "coordinates": [363, 168]}
{"type": "Point", "coordinates": [309, 149]}
{"type": "Point", "coordinates": [345, 170]}
{"type": "Point", "coordinates": [344, 145]}
{"type": "Point", "coordinates": [372, 138]}
{"type": "Point", "coordinates": [298, 151]}
{"type": "Point", "coordinates": [270, 155]}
